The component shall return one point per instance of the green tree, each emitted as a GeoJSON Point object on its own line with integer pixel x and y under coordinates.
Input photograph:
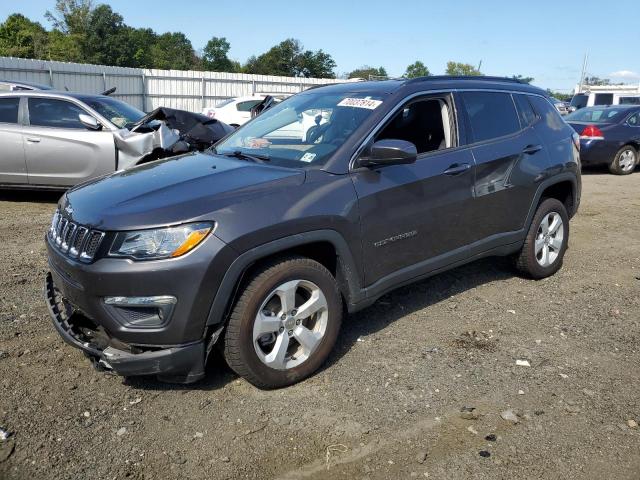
{"type": "Point", "coordinates": [63, 47]}
{"type": "Point", "coordinates": [140, 41]}
{"type": "Point", "coordinates": [288, 58]}
{"type": "Point", "coordinates": [417, 69]}
{"type": "Point", "coordinates": [565, 97]}
{"type": "Point", "coordinates": [71, 16]}
{"type": "Point", "coordinates": [367, 72]}
{"type": "Point", "coordinates": [215, 56]}
{"type": "Point", "coordinates": [173, 51]}
{"type": "Point", "coordinates": [593, 80]}
{"type": "Point", "coordinates": [462, 69]}
{"type": "Point", "coordinates": [522, 79]}
{"type": "Point", "coordinates": [20, 37]}
{"type": "Point", "coordinates": [105, 40]}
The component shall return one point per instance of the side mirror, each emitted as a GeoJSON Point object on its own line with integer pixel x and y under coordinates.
{"type": "Point", "coordinates": [389, 152]}
{"type": "Point", "coordinates": [90, 122]}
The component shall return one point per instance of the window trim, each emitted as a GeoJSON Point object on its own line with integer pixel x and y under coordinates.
{"type": "Point", "coordinates": [535, 112]}
{"type": "Point", "coordinates": [27, 113]}
{"type": "Point", "coordinates": [452, 91]}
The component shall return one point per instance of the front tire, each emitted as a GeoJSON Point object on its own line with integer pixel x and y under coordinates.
{"type": "Point", "coordinates": [284, 324]}
{"type": "Point", "coordinates": [546, 241]}
{"type": "Point", "coordinates": [624, 162]}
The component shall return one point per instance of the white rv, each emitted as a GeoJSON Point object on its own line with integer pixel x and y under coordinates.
{"type": "Point", "coordinates": [591, 95]}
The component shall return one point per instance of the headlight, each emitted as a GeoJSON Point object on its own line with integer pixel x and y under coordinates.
{"type": "Point", "coordinates": [160, 243]}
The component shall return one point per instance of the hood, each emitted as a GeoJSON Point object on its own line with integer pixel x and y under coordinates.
{"type": "Point", "coordinates": [174, 190]}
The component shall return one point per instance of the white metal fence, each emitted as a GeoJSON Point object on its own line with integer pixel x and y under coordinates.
{"type": "Point", "coordinates": [150, 88]}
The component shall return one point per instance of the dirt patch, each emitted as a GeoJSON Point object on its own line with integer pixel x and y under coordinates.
{"type": "Point", "coordinates": [407, 393]}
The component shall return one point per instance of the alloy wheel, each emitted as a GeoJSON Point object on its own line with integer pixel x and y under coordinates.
{"type": "Point", "coordinates": [549, 239]}
{"type": "Point", "coordinates": [290, 324]}
{"type": "Point", "coordinates": [627, 160]}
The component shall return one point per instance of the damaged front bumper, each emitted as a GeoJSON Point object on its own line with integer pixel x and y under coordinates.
{"type": "Point", "coordinates": [177, 364]}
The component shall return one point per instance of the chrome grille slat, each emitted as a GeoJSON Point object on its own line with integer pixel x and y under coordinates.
{"type": "Point", "coordinates": [74, 240]}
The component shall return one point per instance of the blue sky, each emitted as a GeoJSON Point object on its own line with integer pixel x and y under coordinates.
{"type": "Point", "coordinates": [542, 39]}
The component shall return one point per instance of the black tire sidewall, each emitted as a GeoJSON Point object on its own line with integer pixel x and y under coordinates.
{"type": "Point", "coordinates": [270, 377]}
{"type": "Point", "coordinates": [547, 206]}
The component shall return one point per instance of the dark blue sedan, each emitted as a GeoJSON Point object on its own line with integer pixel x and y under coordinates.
{"type": "Point", "coordinates": [609, 135]}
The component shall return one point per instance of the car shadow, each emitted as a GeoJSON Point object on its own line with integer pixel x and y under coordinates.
{"type": "Point", "coordinates": [386, 310]}
{"type": "Point", "coordinates": [34, 196]}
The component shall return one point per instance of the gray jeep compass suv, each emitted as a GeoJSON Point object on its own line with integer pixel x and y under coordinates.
{"type": "Point", "coordinates": [316, 207]}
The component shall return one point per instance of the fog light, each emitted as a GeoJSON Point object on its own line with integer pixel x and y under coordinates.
{"type": "Point", "coordinates": [141, 312]}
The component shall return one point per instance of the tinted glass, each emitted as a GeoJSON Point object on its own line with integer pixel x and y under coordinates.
{"type": "Point", "coordinates": [491, 114]}
{"type": "Point", "coordinates": [9, 110]}
{"type": "Point", "coordinates": [595, 114]}
{"type": "Point", "coordinates": [247, 106]}
{"type": "Point", "coordinates": [49, 112]}
{"type": "Point", "coordinates": [629, 101]}
{"type": "Point", "coordinates": [547, 112]}
{"type": "Point", "coordinates": [603, 99]}
{"type": "Point", "coordinates": [634, 120]}
{"type": "Point", "coordinates": [580, 100]}
{"type": "Point", "coordinates": [525, 110]}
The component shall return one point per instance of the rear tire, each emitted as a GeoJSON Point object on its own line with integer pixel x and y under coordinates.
{"type": "Point", "coordinates": [271, 340]}
{"type": "Point", "coordinates": [624, 162]}
{"type": "Point", "coordinates": [546, 241]}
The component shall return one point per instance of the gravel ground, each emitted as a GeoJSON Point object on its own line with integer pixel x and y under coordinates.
{"type": "Point", "coordinates": [417, 387]}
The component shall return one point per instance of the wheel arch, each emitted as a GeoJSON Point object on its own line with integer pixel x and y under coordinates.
{"type": "Point", "coordinates": [327, 247]}
{"type": "Point", "coordinates": [563, 187]}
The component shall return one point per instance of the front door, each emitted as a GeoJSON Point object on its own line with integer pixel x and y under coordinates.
{"type": "Point", "coordinates": [59, 149]}
{"type": "Point", "coordinates": [411, 214]}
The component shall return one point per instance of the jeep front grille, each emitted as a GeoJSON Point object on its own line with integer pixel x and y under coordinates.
{"type": "Point", "coordinates": [74, 240]}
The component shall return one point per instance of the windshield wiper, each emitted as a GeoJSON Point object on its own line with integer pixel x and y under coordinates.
{"type": "Point", "coordinates": [256, 157]}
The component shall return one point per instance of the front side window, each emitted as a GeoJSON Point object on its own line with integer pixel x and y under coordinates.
{"type": "Point", "coordinates": [9, 110]}
{"type": "Point", "coordinates": [425, 123]}
{"type": "Point", "coordinates": [492, 114]}
{"type": "Point", "coordinates": [247, 106]}
{"type": "Point", "coordinates": [303, 130]}
{"type": "Point", "coordinates": [51, 112]}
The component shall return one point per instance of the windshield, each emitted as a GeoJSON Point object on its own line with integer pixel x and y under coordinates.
{"type": "Point", "coordinates": [302, 131]}
{"type": "Point", "coordinates": [594, 114]}
{"type": "Point", "coordinates": [579, 100]}
{"type": "Point", "coordinates": [225, 102]}
{"type": "Point", "coordinates": [121, 114]}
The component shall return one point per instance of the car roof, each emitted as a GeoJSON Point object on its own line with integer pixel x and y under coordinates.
{"type": "Point", "coordinates": [38, 86]}
{"type": "Point", "coordinates": [434, 82]}
{"type": "Point", "coordinates": [53, 94]}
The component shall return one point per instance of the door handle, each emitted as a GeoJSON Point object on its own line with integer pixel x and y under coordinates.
{"type": "Point", "coordinates": [531, 149]}
{"type": "Point", "coordinates": [457, 169]}
{"type": "Point", "coordinates": [33, 139]}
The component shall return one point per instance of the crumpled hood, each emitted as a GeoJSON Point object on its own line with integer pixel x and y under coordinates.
{"type": "Point", "coordinates": [173, 190]}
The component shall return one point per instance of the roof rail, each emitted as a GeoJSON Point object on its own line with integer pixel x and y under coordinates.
{"type": "Point", "coordinates": [485, 78]}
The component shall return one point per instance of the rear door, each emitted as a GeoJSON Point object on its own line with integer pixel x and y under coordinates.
{"type": "Point", "coordinates": [509, 155]}
{"type": "Point", "coordinates": [13, 168]}
{"type": "Point", "coordinates": [59, 149]}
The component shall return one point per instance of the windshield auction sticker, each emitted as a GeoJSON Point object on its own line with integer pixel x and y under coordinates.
{"type": "Point", "coordinates": [360, 103]}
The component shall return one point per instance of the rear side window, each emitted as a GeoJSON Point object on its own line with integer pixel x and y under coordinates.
{"type": "Point", "coordinates": [547, 112]}
{"type": "Point", "coordinates": [50, 112]}
{"type": "Point", "coordinates": [603, 99]}
{"type": "Point", "coordinates": [580, 100]}
{"type": "Point", "coordinates": [9, 110]}
{"type": "Point", "coordinates": [247, 106]}
{"type": "Point", "coordinates": [491, 114]}
{"type": "Point", "coordinates": [527, 116]}
{"type": "Point", "coordinates": [634, 120]}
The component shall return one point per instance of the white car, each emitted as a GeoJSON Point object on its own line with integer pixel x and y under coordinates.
{"type": "Point", "coordinates": [234, 111]}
